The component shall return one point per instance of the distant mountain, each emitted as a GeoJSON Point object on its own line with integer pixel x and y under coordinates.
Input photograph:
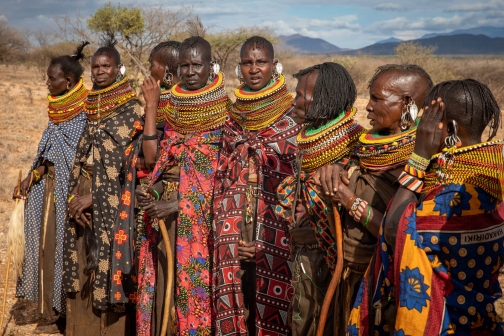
{"type": "Point", "coordinates": [309, 45]}
{"type": "Point", "coordinates": [463, 44]}
{"type": "Point", "coordinates": [488, 31]}
{"type": "Point", "coordinates": [391, 39]}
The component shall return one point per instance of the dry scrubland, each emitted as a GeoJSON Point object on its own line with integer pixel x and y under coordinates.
{"type": "Point", "coordinates": [22, 93]}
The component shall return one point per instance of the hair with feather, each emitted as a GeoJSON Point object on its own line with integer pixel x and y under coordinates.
{"type": "Point", "coordinates": [107, 46]}
{"type": "Point", "coordinates": [194, 27]}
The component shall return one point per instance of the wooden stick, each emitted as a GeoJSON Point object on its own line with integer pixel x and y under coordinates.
{"type": "Point", "coordinates": [169, 284]}
{"type": "Point", "coordinates": [9, 258]}
{"type": "Point", "coordinates": [336, 276]}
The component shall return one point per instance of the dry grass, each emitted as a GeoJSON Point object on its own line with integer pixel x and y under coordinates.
{"type": "Point", "coordinates": [23, 111]}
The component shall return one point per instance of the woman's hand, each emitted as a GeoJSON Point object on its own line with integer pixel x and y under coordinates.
{"type": "Point", "coordinates": [428, 135]}
{"type": "Point", "coordinates": [144, 196]}
{"type": "Point", "coordinates": [329, 178]}
{"type": "Point", "coordinates": [151, 91]}
{"type": "Point", "coordinates": [246, 251]}
{"type": "Point", "coordinates": [77, 206]}
{"type": "Point", "coordinates": [161, 209]}
{"type": "Point", "coordinates": [24, 188]}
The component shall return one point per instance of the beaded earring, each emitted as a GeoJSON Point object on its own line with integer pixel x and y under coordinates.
{"type": "Point", "coordinates": [167, 77]}
{"type": "Point", "coordinates": [446, 159]}
{"type": "Point", "coordinates": [238, 73]}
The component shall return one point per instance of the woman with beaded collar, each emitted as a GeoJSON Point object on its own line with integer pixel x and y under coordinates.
{"type": "Point", "coordinates": [113, 124]}
{"type": "Point", "coordinates": [324, 103]}
{"type": "Point", "coordinates": [46, 189]}
{"type": "Point", "coordinates": [442, 242]}
{"type": "Point", "coordinates": [251, 275]}
{"type": "Point", "coordinates": [368, 187]}
{"type": "Point", "coordinates": [163, 57]}
{"type": "Point", "coordinates": [189, 155]}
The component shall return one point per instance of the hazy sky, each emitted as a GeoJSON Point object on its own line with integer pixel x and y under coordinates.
{"type": "Point", "coordinates": [345, 23]}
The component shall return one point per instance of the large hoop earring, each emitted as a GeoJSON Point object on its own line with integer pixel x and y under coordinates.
{"type": "Point", "coordinates": [277, 70]}
{"type": "Point", "coordinates": [238, 73]}
{"type": "Point", "coordinates": [167, 77]}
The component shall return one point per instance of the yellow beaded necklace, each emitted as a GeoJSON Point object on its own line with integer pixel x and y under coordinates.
{"type": "Point", "coordinates": [163, 105]}
{"type": "Point", "coordinates": [100, 103]}
{"type": "Point", "coordinates": [64, 108]}
{"type": "Point", "coordinates": [379, 153]}
{"type": "Point", "coordinates": [255, 110]}
{"type": "Point", "coordinates": [199, 110]}
{"type": "Point", "coordinates": [481, 165]}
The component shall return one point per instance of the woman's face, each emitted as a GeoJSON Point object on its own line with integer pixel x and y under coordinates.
{"type": "Point", "coordinates": [386, 103]}
{"type": "Point", "coordinates": [56, 82]}
{"type": "Point", "coordinates": [104, 69]}
{"type": "Point", "coordinates": [194, 69]}
{"type": "Point", "coordinates": [304, 97]}
{"type": "Point", "coordinates": [256, 67]}
{"type": "Point", "coordinates": [157, 67]}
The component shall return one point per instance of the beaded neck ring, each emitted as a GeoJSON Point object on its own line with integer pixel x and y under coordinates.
{"type": "Point", "coordinates": [255, 110]}
{"type": "Point", "coordinates": [163, 105]}
{"type": "Point", "coordinates": [378, 153]}
{"type": "Point", "coordinates": [329, 143]}
{"type": "Point", "coordinates": [101, 103]}
{"type": "Point", "coordinates": [67, 106]}
{"type": "Point", "coordinates": [198, 110]}
{"type": "Point", "coordinates": [481, 165]}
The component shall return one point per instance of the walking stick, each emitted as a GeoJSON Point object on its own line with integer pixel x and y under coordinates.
{"type": "Point", "coordinates": [337, 273]}
{"type": "Point", "coordinates": [169, 284]}
{"type": "Point", "coordinates": [9, 257]}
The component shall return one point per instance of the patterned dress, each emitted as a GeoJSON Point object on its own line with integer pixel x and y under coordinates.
{"type": "Point", "coordinates": [441, 275]}
{"type": "Point", "coordinates": [274, 150]}
{"type": "Point", "coordinates": [58, 145]}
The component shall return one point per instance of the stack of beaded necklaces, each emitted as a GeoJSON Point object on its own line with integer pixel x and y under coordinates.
{"type": "Point", "coordinates": [163, 105]}
{"type": "Point", "coordinates": [329, 143]}
{"type": "Point", "coordinates": [101, 103]}
{"type": "Point", "coordinates": [382, 153]}
{"type": "Point", "coordinates": [255, 110]}
{"type": "Point", "coordinates": [481, 165]}
{"type": "Point", "coordinates": [64, 108]}
{"type": "Point", "coordinates": [199, 110]}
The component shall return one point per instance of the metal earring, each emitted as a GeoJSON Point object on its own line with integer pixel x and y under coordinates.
{"type": "Point", "coordinates": [446, 159]}
{"type": "Point", "coordinates": [178, 71]}
{"type": "Point", "coordinates": [214, 70]}
{"type": "Point", "coordinates": [167, 77]}
{"type": "Point", "coordinates": [277, 70]}
{"type": "Point", "coordinates": [413, 110]}
{"type": "Point", "coordinates": [405, 124]}
{"type": "Point", "coordinates": [92, 77]}
{"type": "Point", "coordinates": [122, 72]}
{"type": "Point", "coordinates": [238, 73]}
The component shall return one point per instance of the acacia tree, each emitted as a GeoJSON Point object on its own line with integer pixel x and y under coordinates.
{"type": "Point", "coordinates": [13, 44]}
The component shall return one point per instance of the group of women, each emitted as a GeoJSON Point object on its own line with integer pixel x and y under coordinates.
{"type": "Point", "coordinates": [249, 195]}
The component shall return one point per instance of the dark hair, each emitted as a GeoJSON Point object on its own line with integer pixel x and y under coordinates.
{"type": "Point", "coordinates": [194, 41]}
{"type": "Point", "coordinates": [470, 103]}
{"type": "Point", "coordinates": [334, 91]}
{"type": "Point", "coordinates": [70, 65]}
{"type": "Point", "coordinates": [258, 42]}
{"type": "Point", "coordinates": [405, 68]}
{"type": "Point", "coordinates": [107, 46]}
{"type": "Point", "coordinates": [169, 53]}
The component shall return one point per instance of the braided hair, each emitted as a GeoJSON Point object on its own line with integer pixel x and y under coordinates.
{"type": "Point", "coordinates": [107, 46]}
{"type": "Point", "coordinates": [404, 68]}
{"type": "Point", "coordinates": [194, 41]}
{"type": "Point", "coordinates": [169, 52]}
{"type": "Point", "coordinates": [258, 42]}
{"type": "Point", "coordinates": [470, 103]}
{"type": "Point", "coordinates": [70, 65]}
{"type": "Point", "coordinates": [334, 92]}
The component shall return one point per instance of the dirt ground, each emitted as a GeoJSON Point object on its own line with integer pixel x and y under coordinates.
{"type": "Point", "coordinates": [23, 111]}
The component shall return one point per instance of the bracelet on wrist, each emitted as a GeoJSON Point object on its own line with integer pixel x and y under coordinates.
{"type": "Point", "coordinates": [350, 202]}
{"type": "Point", "coordinates": [157, 194]}
{"type": "Point", "coordinates": [35, 175]}
{"type": "Point", "coordinates": [370, 211]}
{"type": "Point", "coordinates": [410, 182]}
{"type": "Point", "coordinates": [150, 137]}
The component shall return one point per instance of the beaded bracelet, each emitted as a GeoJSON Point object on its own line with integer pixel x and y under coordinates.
{"type": "Point", "coordinates": [414, 171]}
{"type": "Point", "coordinates": [157, 194]}
{"type": "Point", "coordinates": [411, 182]}
{"type": "Point", "coordinates": [350, 202]}
{"type": "Point", "coordinates": [368, 216]}
{"type": "Point", "coordinates": [418, 162]}
{"type": "Point", "coordinates": [357, 208]}
{"type": "Point", "coordinates": [36, 175]}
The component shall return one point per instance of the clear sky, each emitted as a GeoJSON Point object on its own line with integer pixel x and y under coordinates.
{"type": "Point", "coordinates": [345, 23]}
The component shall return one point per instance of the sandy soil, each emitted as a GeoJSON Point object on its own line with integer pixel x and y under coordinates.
{"type": "Point", "coordinates": [23, 111]}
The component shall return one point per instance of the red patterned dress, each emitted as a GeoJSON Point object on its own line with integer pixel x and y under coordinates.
{"type": "Point", "coordinates": [193, 134]}
{"type": "Point", "coordinates": [260, 132]}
